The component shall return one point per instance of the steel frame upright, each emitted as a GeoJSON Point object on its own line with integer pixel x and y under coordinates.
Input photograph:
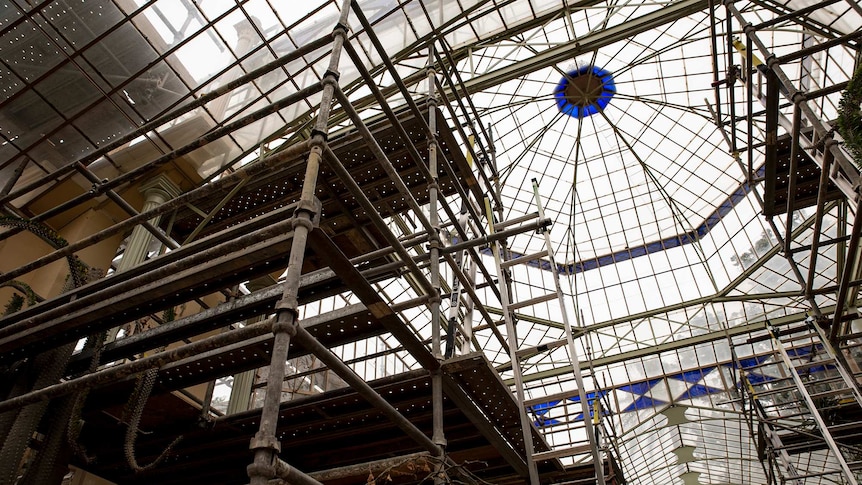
{"type": "Point", "coordinates": [836, 167]}
{"type": "Point", "coordinates": [266, 465]}
{"type": "Point", "coordinates": [265, 443]}
{"type": "Point", "coordinates": [434, 250]}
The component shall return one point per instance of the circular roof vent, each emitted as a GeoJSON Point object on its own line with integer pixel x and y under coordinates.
{"type": "Point", "coordinates": [584, 91]}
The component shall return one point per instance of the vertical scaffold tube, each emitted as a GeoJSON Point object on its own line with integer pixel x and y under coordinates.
{"type": "Point", "coordinates": [434, 300]}
{"type": "Point", "coordinates": [265, 442]}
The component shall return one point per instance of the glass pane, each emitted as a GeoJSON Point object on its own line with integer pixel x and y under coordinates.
{"type": "Point", "coordinates": [28, 52]}
{"type": "Point", "coordinates": [68, 90]}
{"type": "Point", "coordinates": [74, 24]}
{"type": "Point", "coordinates": [27, 118]}
{"type": "Point", "coordinates": [104, 123]}
{"type": "Point", "coordinates": [121, 54]}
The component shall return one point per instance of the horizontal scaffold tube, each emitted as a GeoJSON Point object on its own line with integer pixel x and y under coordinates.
{"type": "Point", "coordinates": [173, 114]}
{"type": "Point", "coordinates": [250, 170]}
{"type": "Point", "coordinates": [113, 374]}
{"type": "Point", "coordinates": [363, 389]}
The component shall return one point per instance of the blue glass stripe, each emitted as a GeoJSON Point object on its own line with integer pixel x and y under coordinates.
{"type": "Point", "coordinates": [643, 402]}
{"type": "Point", "coordinates": [692, 376]}
{"type": "Point", "coordinates": [649, 248]}
{"type": "Point", "coordinates": [699, 390]}
{"type": "Point", "coordinates": [639, 388]}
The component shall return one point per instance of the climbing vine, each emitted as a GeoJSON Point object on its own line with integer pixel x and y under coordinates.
{"type": "Point", "coordinates": [17, 302]}
{"type": "Point", "coordinates": [850, 116]}
{"type": "Point", "coordinates": [77, 268]}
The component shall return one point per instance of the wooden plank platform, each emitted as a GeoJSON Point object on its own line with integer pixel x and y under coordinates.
{"type": "Point", "coordinates": [320, 432]}
{"type": "Point", "coordinates": [343, 219]}
{"type": "Point", "coordinates": [777, 179]}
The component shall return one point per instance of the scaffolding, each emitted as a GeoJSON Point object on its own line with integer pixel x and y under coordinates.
{"type": "Point", "coordinates": [794, 394]}
{"type": "Point", "coordinates": [335, 209]}
{"type": "Point", "coordinates": [322, 227]}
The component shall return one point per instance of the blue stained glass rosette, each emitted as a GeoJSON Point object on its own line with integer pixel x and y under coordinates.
{"type": "Point", "coordinates": [584, 91]}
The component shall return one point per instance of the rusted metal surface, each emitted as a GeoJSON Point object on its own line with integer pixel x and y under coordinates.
{"type": "Point", "coordinates": [312, 286]}
{"type": "Point", "coordinates": [363, 389]}
{"type": "Point", "coordinates": [265, 444]}
{"type": "Point", "coordinates": [332, 430]}
{"type": "Point", "coordinates": [371, 298]}
{"type": "Point", "coordinates": [339, 207]}
{"type": "Point", "coordinates": [112, 374]}
{"type": "Point", "coordinates": [259, 169]}
{"type": "Point", "coordinates": [398, 465]}
{"type": "Point", "coordinates": [160, 283]}
{"type": "Point", "coordinates": [810, 185]}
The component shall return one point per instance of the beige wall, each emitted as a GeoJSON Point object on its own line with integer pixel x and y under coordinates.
{"type": "Point", "coordinates": [49, 280]}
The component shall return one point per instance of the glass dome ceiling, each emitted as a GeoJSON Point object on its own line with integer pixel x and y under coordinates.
{"type": "Point", "coordinates": [655, 192]}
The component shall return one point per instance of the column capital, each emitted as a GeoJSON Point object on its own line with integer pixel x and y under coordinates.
{"type": "Point", "coordinates": [160, 186]}
{"type": "Point", "coordinates": [246, 33]}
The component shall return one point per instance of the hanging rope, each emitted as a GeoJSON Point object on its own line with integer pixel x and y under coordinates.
{"type": "Point", "coordinates": [96, 342]}
{"type": "Point", "coordinates": [135, 409]}
{"type": "Point", "coordinates": [30, 297]}
{"type": "Point", "coordinates": [18, 426]}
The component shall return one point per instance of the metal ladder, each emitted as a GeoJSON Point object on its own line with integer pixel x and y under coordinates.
{"type": "Point", "coordinates": [509, 308]}
{"type": "Point", "coordinates": [797, 410]}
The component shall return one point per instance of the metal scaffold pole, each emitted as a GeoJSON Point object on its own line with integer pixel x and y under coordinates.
{"type": "Point", "coordinates": [265, 443]}
{"type": "Point", "coordinates": [814, 367]}
{"type": "Point", "coordinates": [592, 438]}
{"type": "Point", "coordinates": [435, 299]}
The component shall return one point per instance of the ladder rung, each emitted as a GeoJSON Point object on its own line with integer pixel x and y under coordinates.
{"type": "Point", "coordinates": [580, 481]}
{"type": "Point", "coordinates": [571, 451]}
{"type": "Point", "coordinates": [776, 390]}
{"type": "Point", "coordinates": [850, 346]}
{"type": "Point", "coordinates": [792, 448]}
{"type": "Point", "coordinates": [831, 392]}
{"type": "Point", "coordinates": [533, 301]}
{"type": "Point", "coordinates": [511, 222]}
{"type": "Point", "coordinates": [810, 346]}
{"type": "Point", "coordinates": [773, 381]}
{"type": "Point", "coordinates": [524, 259]}
{"type": "Point", "coordinates": [824, 473]}
{"type": "Point", "coordinates": [808, 336]}
{"type": "Point", "coordinates": [827, 380]}
{"type": "Point", "coordinates": [849, 336]}
{"type": "Point", "coordinates": [786, 418]}
{"type": "Point", "coordinates": [837, 428]}
{"type": "Point", "coordinates": [537, 349]}
{"type": "Point", "coordinates": [483, 284]}
{"type": "Point", "coordinates": [786, 413]}
{"type": "Point", "coordinates": [816, 363]}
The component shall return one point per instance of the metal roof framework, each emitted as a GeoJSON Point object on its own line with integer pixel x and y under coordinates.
{"type": "Point", "coordinates": [656, 200]}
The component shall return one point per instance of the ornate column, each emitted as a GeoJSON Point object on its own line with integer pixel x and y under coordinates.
{"type": "Point", "coordinates": [240, 392]}
{"type": "Point", "coordinates": [156, 191]}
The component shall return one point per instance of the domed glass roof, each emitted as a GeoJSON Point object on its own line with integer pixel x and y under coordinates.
{"type": "Point", "coordinates": [653, 175]}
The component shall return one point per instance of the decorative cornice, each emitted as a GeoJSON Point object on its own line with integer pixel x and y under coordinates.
{"type": "Point", "coordinates": [160, 185]}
